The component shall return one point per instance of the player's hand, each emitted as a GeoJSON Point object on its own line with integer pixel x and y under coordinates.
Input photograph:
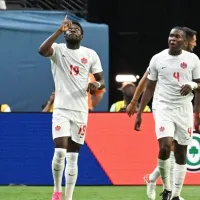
{"type": "Point", "coordinates": [196, 124]}
{"type": "Point", "coordinates": [185, 90]}
{"type": "Point", "coordinates": [131, 108]}
{"type": "Point", "coordinates": [92, 87]}
{"type": "Point", "coordinates": [66, 24]}
{"type": "Point", "coordinates": [138, 122]}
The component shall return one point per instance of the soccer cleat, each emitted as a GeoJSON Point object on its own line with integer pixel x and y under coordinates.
{"type": "Point", "coordinates": [151, 188]}
{"type": "Point", "coordinates": [181, 198]}
{"type": "Point", "coordinates": [166, 195]}
{"type": "Point", "coordinates": [57, 196]}
{"type": "Point", "coordinates": [175, 198]}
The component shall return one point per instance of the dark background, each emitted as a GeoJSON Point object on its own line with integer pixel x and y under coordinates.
{"type": "Point", "coordinates": [138, 30]}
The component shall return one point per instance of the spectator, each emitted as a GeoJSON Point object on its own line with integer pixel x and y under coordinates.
{"type": "Point", "coordinates": [48, 107]}
{"type": "Point", "coordinates": [128, 89]}
{"type": "Point", "coordinates": [4, 108]}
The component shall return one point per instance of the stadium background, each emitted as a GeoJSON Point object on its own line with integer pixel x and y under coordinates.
{"type": "Point", "coordinates": [125, 35]}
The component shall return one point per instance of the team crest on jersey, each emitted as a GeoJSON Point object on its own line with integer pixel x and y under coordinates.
{"type": "Point", "coordinates": [84, 60]}
{"type": "Point", "coordinates": [162, 129]}
{"type": "Point", "coordinates": [193, 154]}
{"type": "Point", "coordinates": [183, 65]}
{"type": "Point", "coordinates": [57, 128]}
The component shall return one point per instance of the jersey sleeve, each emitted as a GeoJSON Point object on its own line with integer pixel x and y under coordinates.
{"type": "Point", "coordinates": [152, 70]}
{"type": "Point", "coordinates": [196, 70]}
{"type": "Point", "coordinates": [96, 64]}
{"type": "Point", "coordinates": [55, 48]}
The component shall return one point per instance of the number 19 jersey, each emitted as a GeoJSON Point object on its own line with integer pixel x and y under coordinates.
{"type": "Point", "coordinates": [70, 69]}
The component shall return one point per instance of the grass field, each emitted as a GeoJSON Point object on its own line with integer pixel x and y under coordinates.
{"type": "Point", "coordinates": [91, 193]}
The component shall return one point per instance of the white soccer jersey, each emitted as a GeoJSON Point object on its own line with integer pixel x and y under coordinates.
{"type": "Point", "coordinates": [172, 72]}
{"type": "Point", "coordinates": [70, 69]}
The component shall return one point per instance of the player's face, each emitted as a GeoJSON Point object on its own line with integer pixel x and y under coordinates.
{"type": "Point", "coordinates": [176, 40]}
{"type": "Point", "coordinates": [73, 34]}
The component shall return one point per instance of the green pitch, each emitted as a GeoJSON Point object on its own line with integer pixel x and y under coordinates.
{"type": "Point", "coordinates": [90, 193]}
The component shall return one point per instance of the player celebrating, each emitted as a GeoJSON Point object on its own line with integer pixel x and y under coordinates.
{"type": "Point", "coordinates": [177, 73]}
{"type": "Point", "coordinates": [150, 179]}
{"type": "Point", "coordinates": [71, 65]}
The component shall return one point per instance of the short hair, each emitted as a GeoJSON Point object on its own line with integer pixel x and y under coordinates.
{"type": "Point", "coordinates": [189, 32]}
{"type": "Point", "coordinates": [180, 29]}
{"type": "Point", "coordinates": [78, 24]}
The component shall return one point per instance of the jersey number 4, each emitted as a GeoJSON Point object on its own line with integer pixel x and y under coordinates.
{"type": "Point", "coordinates": [74, 70]}
{"type": "Point", "coordinates": [176, 75]}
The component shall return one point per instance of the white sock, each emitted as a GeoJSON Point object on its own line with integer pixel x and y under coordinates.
{"type": "Point", "coordinates": [164, 167]}
{"type": "Point", "coordinates": [154, 175]}
{"type": "Point", "coordinates": [179, 177]}
{"type": "Point", "coordinates": [71, 173]}
{"type": "Point", "coordinates": [172, 162]}
{"type": "Point", "coordinates": [58, 164]}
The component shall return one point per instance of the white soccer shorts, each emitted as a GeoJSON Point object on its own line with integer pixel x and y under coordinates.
{"type": "Point", "coordinates": [69, 123]}
{"type": "Point", "coordinates": [176, 123]}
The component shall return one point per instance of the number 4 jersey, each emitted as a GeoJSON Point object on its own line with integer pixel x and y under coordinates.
{"type": "Point", "coordinates": [70, 69]}
{"type": "Point", "coordinates": [171, 73]}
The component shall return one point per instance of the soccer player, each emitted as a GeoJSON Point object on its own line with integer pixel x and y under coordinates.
{"type": "Point", "coordinates": [150, 179]}
{"type": "Point", "coordinates": [71, 65]}
{"type": "Point", "coordinates": [177, 73]}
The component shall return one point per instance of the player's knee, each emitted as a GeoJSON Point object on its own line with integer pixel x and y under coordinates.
{"type": "Point", "coordinates": [180, 158]}
{"type": "Point", "coordinates": [72, 159]}
{"type": "Point", "coordinates": [165, 151]}
{"type": "Point", "coordinates": [59, 155]}
{"type": "Point", "coordinates": [61, 143]}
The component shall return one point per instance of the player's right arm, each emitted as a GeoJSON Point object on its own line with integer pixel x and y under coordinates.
{"type": "Point", "coordinates": [148, 93]}
{"type": "Point", "coordinates": [132, 107]}
{"type": "Point", "coordinates": [46, 49]}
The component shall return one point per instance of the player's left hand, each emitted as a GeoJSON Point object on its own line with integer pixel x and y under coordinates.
{"type": "Point", "coordinates": [185, 90]}
{"type": "Point", "coordinates": [196, 123]}
{"type": "Point", "coordinates": [138, 122]}
{"type": "Point", "coordinates": [131, 108]}
{"type": "Point", "coordinates": [92, 87]}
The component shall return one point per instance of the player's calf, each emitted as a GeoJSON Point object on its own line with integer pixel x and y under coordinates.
{"type": "Point", "coordinates": [164, 161]}
{"type": "Point", "coordinates": [58, 163]}
{"type": "Point", "coordinates": [71, 173]}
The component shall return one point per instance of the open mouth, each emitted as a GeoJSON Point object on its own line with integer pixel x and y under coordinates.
{"type": "Point", "coordinates": [172, 44]}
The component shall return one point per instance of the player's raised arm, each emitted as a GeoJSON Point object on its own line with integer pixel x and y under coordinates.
{"type": "Point", "coordinates": [132, 107]}
{"type": "Point", "coordinates": [46, 47]}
